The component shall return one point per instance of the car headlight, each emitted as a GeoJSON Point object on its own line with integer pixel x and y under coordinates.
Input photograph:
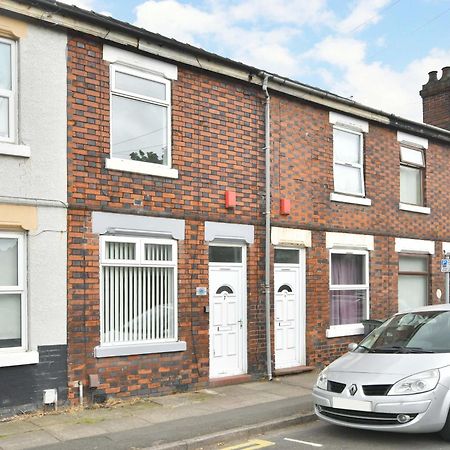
{"type": "Point", "coordinates": [322, 380]}
{"type": "Point", "coordinates": [415, 384]}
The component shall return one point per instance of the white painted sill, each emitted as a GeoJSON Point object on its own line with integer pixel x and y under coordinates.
{"type": "Point", "coordinates": [127, 165]}
{"type": "Point", "coordinates": [18, 358]}
{"type": "Point", "coordinates": [345, 330]}
{"type": "Point", "coordinates": [414, 208]}
{"type": "Point", "coordinates": [106, 351]}
{"type": "Point", "coordinates": [20, 150]}
{"type": "Point", "coordinates": [342, 198]}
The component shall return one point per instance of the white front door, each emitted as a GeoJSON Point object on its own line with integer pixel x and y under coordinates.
{"type": "Point", "coordinates": [289, 325]}
{"type": "Point", "coordinates": [227, 318]}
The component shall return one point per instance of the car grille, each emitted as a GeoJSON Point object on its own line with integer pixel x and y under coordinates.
{"type": "Point", "coordinates": [376, 389]}
{"type": "Point", "coordinates": [334, 386]}
{"type": "Point", "coordinates": [362, 417]}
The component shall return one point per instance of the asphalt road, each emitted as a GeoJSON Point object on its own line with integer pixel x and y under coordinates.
{"type": "Point", "coordinates": [320, 435]}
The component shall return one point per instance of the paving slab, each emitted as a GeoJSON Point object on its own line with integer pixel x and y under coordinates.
{"type": "Point", "coordinates": [38, 438]}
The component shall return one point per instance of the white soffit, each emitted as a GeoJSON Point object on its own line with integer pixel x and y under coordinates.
{"type": "Point", "coordinates": [417, 141]}
{"type": "Point", "coordinates": [290, 236]}
{"type": "Point", "coordinates": [414, 246]}
{"type": "Point", "coordinates": [349, 121]}
{"type": "Point", "coordinates": [346, 240]}
{"type": "Point", "coordinates": [117, 55]}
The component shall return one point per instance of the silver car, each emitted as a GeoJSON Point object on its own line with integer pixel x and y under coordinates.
{"type": "Point", "coordinates": [396, 379]}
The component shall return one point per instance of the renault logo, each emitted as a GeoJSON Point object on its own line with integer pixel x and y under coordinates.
{"type": "Point", "coordinates": [352, 389]}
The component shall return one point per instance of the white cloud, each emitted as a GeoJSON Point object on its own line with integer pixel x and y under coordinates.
{"type": "Point", "coordinates": [363, 14]}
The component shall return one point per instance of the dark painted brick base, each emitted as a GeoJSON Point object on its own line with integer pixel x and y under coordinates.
{"type": "Point", "coordinates": [21, 386]}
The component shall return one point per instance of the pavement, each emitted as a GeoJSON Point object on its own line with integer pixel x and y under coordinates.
{"type": "Point", "coordinates": [193, 420]}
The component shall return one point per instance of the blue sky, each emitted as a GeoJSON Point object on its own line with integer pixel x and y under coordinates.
{"type": "Point", "coordinates": [377, 52]}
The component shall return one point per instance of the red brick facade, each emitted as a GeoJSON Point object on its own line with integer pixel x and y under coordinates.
{"type": "Point", "coordinates": [218, 144]}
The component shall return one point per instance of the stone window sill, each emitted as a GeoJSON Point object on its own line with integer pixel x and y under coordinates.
{"type": "Point", "coordinates": [343, 198]}
{"type": "Point", "coordinates": [18, 358]}
{"type": "Point", "coordinates": [106, 351]}
{"type": "Point", "coordinates": [414, 208]}
{"type": "Point", "coordinates": [345, 330]}
{"type": "Point", "coordinates": [23, 151]}
{"type": "Point", "coordinates": [127, 165]}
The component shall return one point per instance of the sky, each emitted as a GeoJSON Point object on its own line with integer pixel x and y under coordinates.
{"type": "Point", "coordinates": [376, 52]}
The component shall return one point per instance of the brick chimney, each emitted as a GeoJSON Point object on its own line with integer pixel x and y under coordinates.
{"type": "Point", "coordinates": [436, 99]}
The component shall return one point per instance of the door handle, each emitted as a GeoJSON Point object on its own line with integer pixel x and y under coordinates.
{"type": "Point", "coordinates": [240, 323]}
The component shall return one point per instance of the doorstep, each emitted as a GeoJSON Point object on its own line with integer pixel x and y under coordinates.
{"type": "Point", "coordinates": [226, 381]}
{"type": "Point", "coordinates": [293, 370]}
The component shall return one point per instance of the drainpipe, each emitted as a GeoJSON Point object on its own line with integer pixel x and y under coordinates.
{"type": "Point", "coordinates": [267, 214]}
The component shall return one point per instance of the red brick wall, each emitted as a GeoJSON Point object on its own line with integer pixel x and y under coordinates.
{"type": "Point", "coordinates": [217, 137]}
{"type": "Point", "coordinates": [302, 142]}
{"type": "Point", "coordinates": [436, 107]}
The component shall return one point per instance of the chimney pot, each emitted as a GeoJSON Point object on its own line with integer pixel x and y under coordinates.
{"type": "Point", "coordinates": [445, 73]}
{"type": "Point", "coordinates": [432, 76]}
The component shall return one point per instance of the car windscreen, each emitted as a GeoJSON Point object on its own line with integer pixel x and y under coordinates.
{"type": "Point", "coordinates": [417, 332]}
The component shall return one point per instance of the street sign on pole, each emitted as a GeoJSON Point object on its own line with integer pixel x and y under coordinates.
{"type": "Point", "coordinates": [445, 265]}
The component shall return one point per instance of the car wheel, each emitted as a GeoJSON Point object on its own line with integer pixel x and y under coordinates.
{"type": "Point", "coordinates": [445, 432]}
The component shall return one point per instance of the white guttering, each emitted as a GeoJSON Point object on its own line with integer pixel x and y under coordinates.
{"type": "Point", "coordinates": [267, 213]}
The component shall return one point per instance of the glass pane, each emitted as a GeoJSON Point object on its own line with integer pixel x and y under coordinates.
{"type": "Point", "coordinates": [120, 250]}
{"type": "Point", "coordinates": [4, 117]}
{"type": "Point", "coordinates": [223, 289]}
{"type": "Point", "coordinates": [138, 304]}
{"type": "Point", "coordinates": [285, 287]}
{"type": "Point", "coordinates": [225, 254]}
{"type": "Point", "coordinates": [10, 320]}
{"type": "Point", "coordinates": [348, 269]}
{"type": "Point", "coordinates": [9, 262]}
{"type": "Point", "coordinates": [347, 306]}
{"type": "Point", "coordinates": [346, 147]}
{"type": "Point", "coordinates": [158, 252]}
{"type": "Point", "coordinates": [411, 185]}
{"type": "Point", "coordinates": [347, 179]}
{"type": "Point", "coordinates": [412, 156]}
{"type": "Point", "coordinates": [412, 291]}
{"type": "Point", "coordinates": [141, 86]}
{"type": "Point", "coordinates": [139, 130]}
{"type": "Point", "coordinates": [413, 264]}
{"type": "Point", "coordinates": [5, 66]}
{"type": "Point", "coordinates": [285, 256]}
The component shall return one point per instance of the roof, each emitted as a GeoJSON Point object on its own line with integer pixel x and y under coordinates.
{"type": "Point", "coordinates": [56, 10]}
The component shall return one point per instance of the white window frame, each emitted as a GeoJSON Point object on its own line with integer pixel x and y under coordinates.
{"type": "Point", "coordinates": [413, 165]}
{"type": "Point", "coordinates": [359, 166]}
{"type": "Point", "coordinates": [128, 165]}
{"type": "Point", "coordinates": [356, 328]}
{"type": "Point", "coordinates": [20, 288]}
{"type": "Point", "coordinates": [139, 261]}
{"type": "Point", "coordinates": [11, 94]}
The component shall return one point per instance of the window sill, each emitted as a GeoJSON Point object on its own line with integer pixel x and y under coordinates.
{"type": "Point", "coordinates": [127, 165]}
{"type": "Point", "coordinates": [105, 351]}
{"type": "Point", "coordinates": [23, 151]}
{"type": "Point", "coordinates": [18, 358]}
{"type": "Point", "coordinates": [343, 198]}
{"type": "Point", "coordinates": [345, 330]}
{"type": "Point", "coordinates": [414, 208]}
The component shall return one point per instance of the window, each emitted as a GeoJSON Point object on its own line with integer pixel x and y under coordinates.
{"type": "Point", "coordinates": [139, 294]}
{"type": "Point", "coordinates": [225, 254]}
{"type": "Point", "coordinates": [286, 256]}
{"type": "Point", "coordinates": [140, 121]}
{"type": "Point", "coordinates": [349, 287]}
{"type": "Point", "coordinates": [12, 292]}
{"type": "Point", "coordinates": [412, 164]}
{"type": "Point", "coordinates": [348, 162]}
{"type": "Point", "coordinates": [412, 282]}
{"type": "Point", "coordinates": [7, 90]}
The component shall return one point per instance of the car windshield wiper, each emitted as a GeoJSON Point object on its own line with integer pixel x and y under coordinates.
{"type": "Point", "coordinates": [400, 349]}
{"type": "Point", "coordinates": [369, 350]}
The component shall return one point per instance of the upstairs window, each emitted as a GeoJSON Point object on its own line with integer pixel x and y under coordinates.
{"type": "Point", "coordinates": [348, 166]}
{"type": "Point", "coordinates": [7, 89]}
{"type": "Point", "coordinates": [412, 167]}
{"type": "Point", "coordinates": [140, 117]}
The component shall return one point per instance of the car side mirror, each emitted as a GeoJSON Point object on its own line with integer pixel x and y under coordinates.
{"type": "Point", "coordinates": [352, 347]}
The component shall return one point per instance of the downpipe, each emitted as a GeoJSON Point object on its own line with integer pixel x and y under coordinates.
{"type": "Point", "coordinates": [267, 214]}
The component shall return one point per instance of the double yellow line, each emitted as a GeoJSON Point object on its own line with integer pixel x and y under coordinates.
{"type": "Point", "coordinates": [250, 445]}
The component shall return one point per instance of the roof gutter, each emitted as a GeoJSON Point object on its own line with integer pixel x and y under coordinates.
{"type": "Point", "coordinates": [125, 34]}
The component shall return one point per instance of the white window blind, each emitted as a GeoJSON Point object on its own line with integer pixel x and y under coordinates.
{"type": "Point", "coordinates": [138, 290]}
{"type": "Point", "coordinates": [412, 164]}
